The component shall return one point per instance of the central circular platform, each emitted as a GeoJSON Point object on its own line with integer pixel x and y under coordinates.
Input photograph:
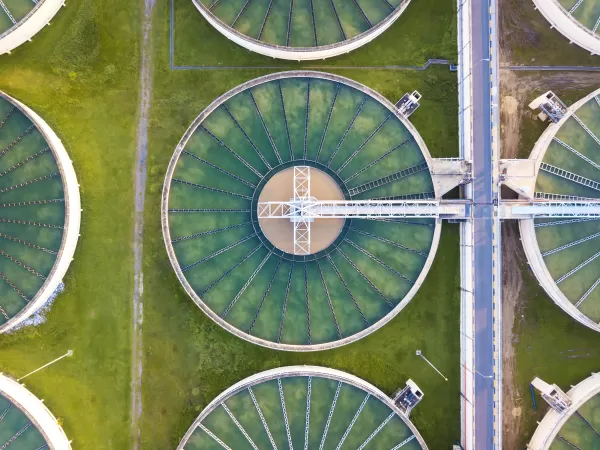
{"type": "Point", "coordinates": [280, 232]}
{"type": "Point", "coordinates": [239, 269]}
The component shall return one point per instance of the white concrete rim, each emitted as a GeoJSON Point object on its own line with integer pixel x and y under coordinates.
{"type": "Point", "coordinates": [72, 216]}
{"type": "Point", "coordinates": [301, 53]}
{"type": "Point", "coordinates": [24, 30]}
{"type": "Point", "coordinates": [36, 412]}
{"type": "Point", "coordinates": [294, 371]}
{"type": "Point", "coordinates": [526, 227]}
{"type": "Point", "coordinates": [566, 24]}
{"type": "Point", "coordinates": [167, 234]}
{"type": "Point", "coordinates": [552, 422]}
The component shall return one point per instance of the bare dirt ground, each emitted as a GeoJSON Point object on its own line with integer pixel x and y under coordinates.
{"type": "Point", "coordinates": [510, 126]}
{"type": "Point", "coordinates": [513, 30]}
{"type": "Point", "coordinates": [512, 255]}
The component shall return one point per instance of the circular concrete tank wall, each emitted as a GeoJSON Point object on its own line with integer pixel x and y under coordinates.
{"type": "Point", "coordinates": [25, 422]}
{"type": "Point", "coordinates": [39, 212]}
{"type": "Point", "coordinates": [578, 426]}
{"type": "Point", "coordinates": [20, 20]}
{"type": "Point", "coordinates": [301, 29]}
{"type": "Point", "coordinates": [241, 277]}
{"type": "Point", "coordinates": [564, 253]}
{"type": "Point", "coordinates": [302, 407]}
{"type": "Point", "coordinates": [577, 20]}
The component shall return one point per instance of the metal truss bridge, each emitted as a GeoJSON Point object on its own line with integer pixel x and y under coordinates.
{"type": "Point", "coordinates": [303, 209]}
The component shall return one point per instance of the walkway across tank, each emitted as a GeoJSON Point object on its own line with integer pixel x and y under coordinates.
{"type": "Point", "coordinates": [301, 29]}
{"type": "Point", "coordinates": [25, 422]}
{"type": "Point", "coordinates": [570, 170]}
{"type": "Point", "coordinates": [39, 212]}
{"type": "Point", "coordinates": [244, 279]}
{"type": "Point", "coordinates": [302, 407]}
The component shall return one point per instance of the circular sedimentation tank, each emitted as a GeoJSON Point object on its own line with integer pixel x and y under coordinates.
{"type": "Point", "coordinates": [577, 20]}
{"type": "Point", "coordinates": [39, 212]}
{"type": "Point", "coordinates": [302, 407]}
{"type": "Point", "coordinates": [301, 29]}
{"type": "Point", "coordinates": [565, 252]}
{"type": "Point", "coordinates": [25, 422]}
{"type": "Point", "coordinates": [578, 426]}
{"type": "Point", "coordinates": [20, 20]}
{"type": "Point", "coordinates": [363, 272]}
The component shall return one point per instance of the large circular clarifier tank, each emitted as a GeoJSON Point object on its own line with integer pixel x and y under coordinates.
{"type": "Point", "coordinates": [25, 422]}
{"type": "Point", "coordinates": [302, 407]}
{"type": "Point", "coordinates": [577, 20]}
{"type": "Point", "coordinates": [577, 427]}
{"type": "Point", "coordinates": [301, 29]}
{"type": "Point", "coordinates": [20, 20]}
{"type": "Point", "coordinates": [39, 212]}
{"type": "Point", "coordinates": [360, 272]}
{"type": "Point", "coordinates": [564, 252]}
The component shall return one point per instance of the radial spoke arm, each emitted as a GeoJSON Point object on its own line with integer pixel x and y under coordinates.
{"type": "Point", "coordinates": [7, 12]}
{"type": "Point", "coordinates": [301, 224]}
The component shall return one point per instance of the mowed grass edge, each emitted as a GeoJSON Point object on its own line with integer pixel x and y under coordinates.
{"type": "Point", "coordinates": [81, 75]}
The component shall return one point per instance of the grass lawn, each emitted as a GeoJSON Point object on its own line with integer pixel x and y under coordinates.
{"type": "Point", "coordinates": [527, 39]}
{"type": "Point", "coordinates": [411, 40]}
{"type": "Point", "coordinates": [81, 75]}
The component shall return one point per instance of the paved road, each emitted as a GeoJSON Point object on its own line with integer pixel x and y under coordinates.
{"type": "Point", "coordinates": [482, 226]}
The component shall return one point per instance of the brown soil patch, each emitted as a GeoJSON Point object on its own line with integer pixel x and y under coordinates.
{"type": "Point", "coordinates": [510, 126]}
{"type": "Point", "coordinates": [528, 83]}
{"type": "Point", "coordinates": [515, 30]}
{"type": "Point", "coordinates": [323, 232]}
{"type": "Point", "coordinates": [512, 284]}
